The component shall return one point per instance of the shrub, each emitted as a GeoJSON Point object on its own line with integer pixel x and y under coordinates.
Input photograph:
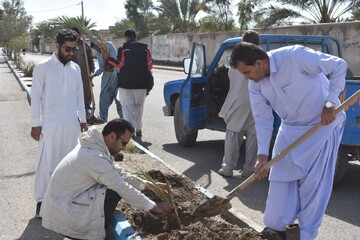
{"type": "Point", "coordinates": [28, 69]}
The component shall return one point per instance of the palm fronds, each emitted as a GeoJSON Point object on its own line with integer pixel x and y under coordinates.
{"type": "Point", "coordinates": [163, 194]}
{"type": "Point", "coordinates": [84, 27]}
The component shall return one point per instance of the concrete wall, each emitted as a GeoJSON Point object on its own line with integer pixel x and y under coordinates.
{"type": "Point", "coordinates": [175, 47]}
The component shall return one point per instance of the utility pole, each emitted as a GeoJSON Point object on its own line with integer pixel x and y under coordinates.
{"type": "Point", "coordinates": [82, 10]}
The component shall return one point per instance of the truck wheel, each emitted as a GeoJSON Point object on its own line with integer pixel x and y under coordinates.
{"type": "Point", "coordinates": [341, 164]}
{"type": "Point", "coordinates": [184, 139]}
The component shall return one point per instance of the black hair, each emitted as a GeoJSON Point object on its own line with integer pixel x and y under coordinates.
{"type": "Point", "coordinates": [66, 35]}
{"type": "Point", "coordinates": [76, 30]}
{"type": "Point", "coordinates": [248, 53]}
{"type": "Point", "coordinates": [118, 126]}
{"type": "Point", "coordinates": [93, 45]}
{"type": "Point", "coordinates": [251, 36]}
{"type": "Point", "coordinates": [130, 33]}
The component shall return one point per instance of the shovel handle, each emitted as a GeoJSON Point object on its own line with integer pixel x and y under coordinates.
{"type": "Point", "coordinates": [351, 100]}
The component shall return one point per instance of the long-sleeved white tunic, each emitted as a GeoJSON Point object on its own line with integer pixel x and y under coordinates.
{"type": "Point", "coordinates": [57, 106]}
{"type": "Point", "coordinates": [296, 90]}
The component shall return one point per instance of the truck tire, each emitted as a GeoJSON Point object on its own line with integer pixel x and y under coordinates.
{"type": "Point", "coordinates": [184, 139]}
{"type": "Point", "coordinates": [341, 164]}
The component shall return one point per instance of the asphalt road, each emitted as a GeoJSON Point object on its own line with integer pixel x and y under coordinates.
{"type": "Point", "coordinates": [200, 163]}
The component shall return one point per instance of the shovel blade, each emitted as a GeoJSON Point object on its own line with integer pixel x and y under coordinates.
{"type": "Point", "coordinates": [214, 206]}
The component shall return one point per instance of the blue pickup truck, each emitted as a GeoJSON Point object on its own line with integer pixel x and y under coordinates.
{"type": "Point", "coordinates": [196, 101]}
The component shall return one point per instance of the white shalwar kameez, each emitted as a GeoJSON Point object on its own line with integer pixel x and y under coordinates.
{"type": "Point", "coordinates": [132, 103]}
{"type": "Point", "coordinates": [236, 112]}
{"type": "Point", "coordinates": [57, 106]}
{"type": "Point", "coordinates": [297, 89]}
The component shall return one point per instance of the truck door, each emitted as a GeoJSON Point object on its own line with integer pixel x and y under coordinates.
{"type": "Point", "coordinates": [192, 93]}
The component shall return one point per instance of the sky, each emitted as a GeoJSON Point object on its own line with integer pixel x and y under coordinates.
{"type": "Point", "coordinates": [104, 13]}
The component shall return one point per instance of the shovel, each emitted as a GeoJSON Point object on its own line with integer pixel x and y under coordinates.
{"type": "Point", "coordinates": [217, 205]}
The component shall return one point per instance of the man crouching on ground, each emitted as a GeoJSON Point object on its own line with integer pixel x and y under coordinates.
{"type": "Point", "coordinates": [85, 188]}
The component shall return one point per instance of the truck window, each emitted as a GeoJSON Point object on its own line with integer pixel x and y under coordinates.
{"type": "Point", "coordinates": [198, 62]}
{"type": "Point", "coordinates": [225, 57]}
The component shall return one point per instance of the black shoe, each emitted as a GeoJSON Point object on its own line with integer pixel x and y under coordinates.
{"type": "Point", "coordinates": [273, 234]}
{"type": "Point", "coordinates": [38, 207]}
{"type": "Point", "coordinates": [139, 133]}
{"type": "Point", "coordinates": [93, 120]}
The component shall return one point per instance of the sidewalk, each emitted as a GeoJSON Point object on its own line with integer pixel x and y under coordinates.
{"type": "Point", "coordinates": [17, 160]}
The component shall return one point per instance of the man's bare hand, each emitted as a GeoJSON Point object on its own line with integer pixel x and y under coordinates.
{"type": "Point", "coordinates": [259, 172]}
{"type": "Point", "coordinates": [83, 127]}
{"type": "Point", "coordinates": [163, 208]}
{"type": "Point", "coordinates": [91, 76]}
{"type": "Point", "coordinates": [328, 115]}
{"type": "Point", "coordinates": [36, 133]}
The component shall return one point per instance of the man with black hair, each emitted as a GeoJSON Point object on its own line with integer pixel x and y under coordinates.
{"type": "Point", "coordinates": [80, 59]}
{"type": "Point", "coordinates": [57, 106]}
{"type": "Point", "coordinates": [87, 185]}
{"type": "Point", "coordinates": [302, 86]}
{"type": "Point", "coordinates": [133, 81]}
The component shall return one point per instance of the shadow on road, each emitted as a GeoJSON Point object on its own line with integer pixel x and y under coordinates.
{"type": "Point", "coordinates": [206, 156]}
{"type": "Point", "coordinates": [34, 231]}
{"type": "Point", "coordinates": [345, 197]}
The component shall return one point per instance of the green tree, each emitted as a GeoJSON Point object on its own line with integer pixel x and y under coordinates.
{"type": "Point", "coordinates": [120, 26]}
{"type": "Point", "coordinates": [17, 44]}
{"type": "Point", "coordinates": [158, 25]}
{"type": "Point", "coordinates": [245, 12]}
{"type": "Point", "coordinates": [180, 13]}
{"type": "Point", "coordinates": [284, 12]}
{"type": "Point", "coordinates": [138, 12]}
{"type": "Point", "coordinates": [14, 22]}
{"type": "Point", "coordinates": [356, 13]}
{"type": "Point", "coordinates": [210, 24]}
{"type": "Point", "coordinates": [220, 9]}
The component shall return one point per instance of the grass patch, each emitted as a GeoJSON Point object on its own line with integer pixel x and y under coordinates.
{"type": "Point", "coordinates": [28, 69]}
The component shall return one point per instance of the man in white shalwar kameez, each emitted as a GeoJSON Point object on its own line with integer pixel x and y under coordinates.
{"type": "Point", "coordinates": [236, 112]}
{"type": "Point", "coordinates": [292, 81]}
{"type": "Point", "coordinates": [57, 106]}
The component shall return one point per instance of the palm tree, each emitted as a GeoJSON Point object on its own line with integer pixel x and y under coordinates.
{"type": "Point", "coordinates": [283, 12]}
{"type": "Point", "coordinates": [181, 13]}
{"type": "Point", "coordinates": [245, 12]}
{"type": "Point", "coordinates": [138, 12]}
{"type": "Point", "coordinates": [220, 9]}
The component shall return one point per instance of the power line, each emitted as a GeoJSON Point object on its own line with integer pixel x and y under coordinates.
{"type": "Point", "coordinates": [55, 9]}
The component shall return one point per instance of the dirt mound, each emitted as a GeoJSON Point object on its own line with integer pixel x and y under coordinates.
{"type": "Point", "coordinates": [186, 198]}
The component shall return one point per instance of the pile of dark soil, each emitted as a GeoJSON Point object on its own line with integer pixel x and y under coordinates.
{"type": "Point", "coordinates": [152, 226]}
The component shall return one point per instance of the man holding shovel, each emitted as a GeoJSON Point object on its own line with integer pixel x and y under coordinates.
{"type": "Point", "coordinates": [292, 81]}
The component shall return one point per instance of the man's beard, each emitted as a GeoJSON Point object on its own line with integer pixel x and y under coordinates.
{"type": "Point", "coordinates": [63, 59]}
